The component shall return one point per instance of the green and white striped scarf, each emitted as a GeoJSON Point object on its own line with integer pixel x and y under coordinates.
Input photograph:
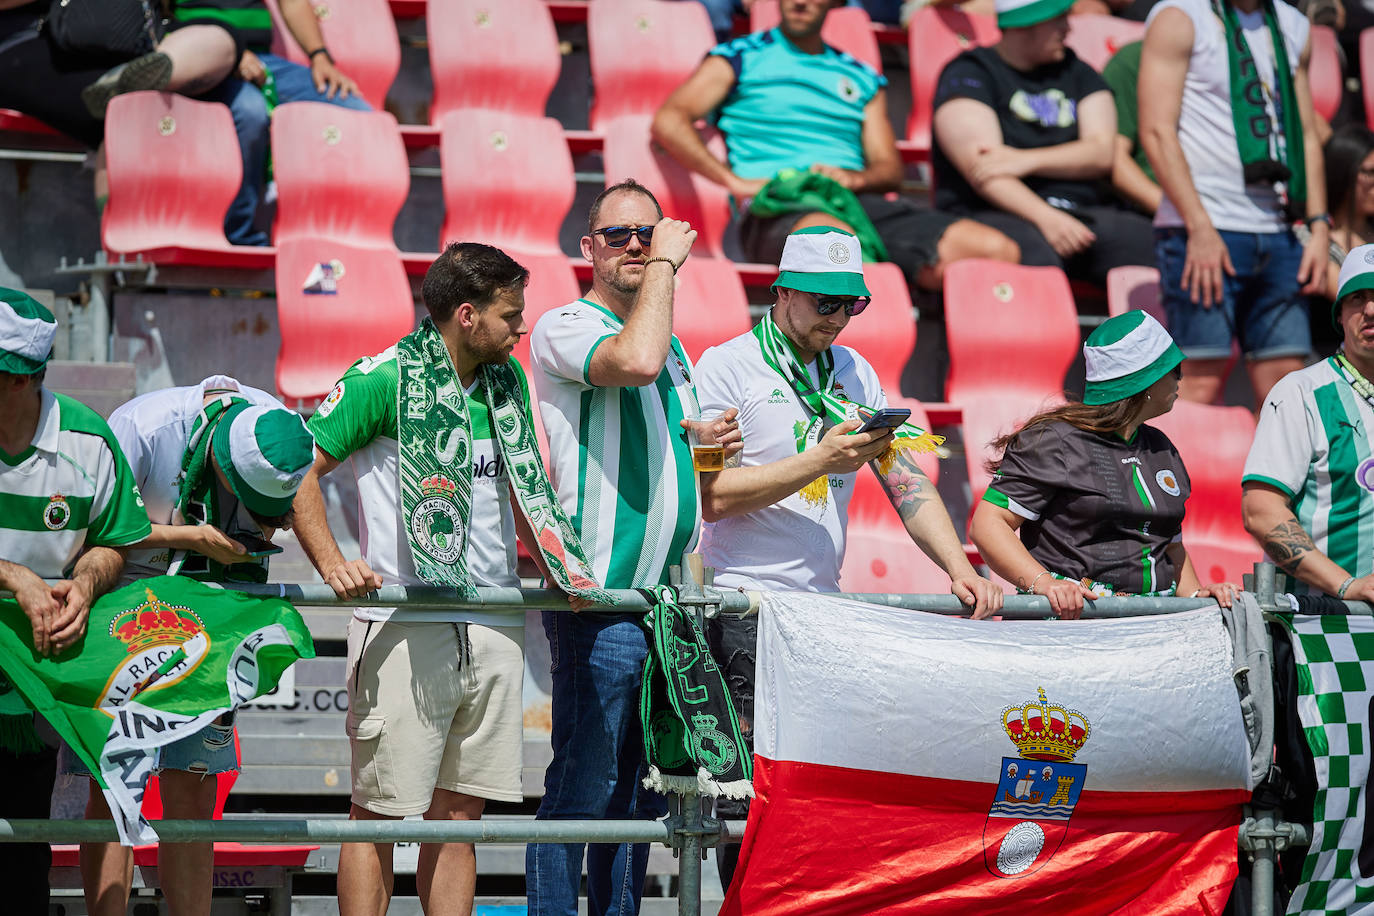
{"type": "Point", "coordinates": [434, 436]}
{"type": "Point", "coordinates": [827, 408]}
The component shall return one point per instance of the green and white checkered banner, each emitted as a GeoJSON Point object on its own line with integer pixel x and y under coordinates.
{"type": "Point", "coordinates": [1335, 660]}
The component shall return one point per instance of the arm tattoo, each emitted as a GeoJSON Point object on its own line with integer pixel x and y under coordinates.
{"type": "Point", "coordinates": [1287, 544]}
{"type": "Point", "coordinates": [907, 485]}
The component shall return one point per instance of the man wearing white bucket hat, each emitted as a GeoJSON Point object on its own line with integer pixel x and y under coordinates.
{"type": "Point", "coordinates": [218, 464]}
{"type": "Point", "coordinates": [1227, 122]}
{"type": "Point", "coordinates": [779, 518]}
{"type": "Point", "coordinates": [1309, 480]}
{"type": "Point", "coordinates": [1025, 135]}
{"type": "Point", "coordinates": [70, 506]}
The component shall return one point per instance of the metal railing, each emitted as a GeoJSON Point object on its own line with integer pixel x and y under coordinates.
{"type": "Point", "coordinates": [685, 830]}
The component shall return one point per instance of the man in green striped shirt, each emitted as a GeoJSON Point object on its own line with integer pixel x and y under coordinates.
{"type": "Point", "coordinates": [614, 387]}
{"type": "Point", "coordinates": [1309, 479]}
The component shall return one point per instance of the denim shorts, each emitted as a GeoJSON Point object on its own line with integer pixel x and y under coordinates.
{"type": "Point", "coordinates": [209, 751]}
{"type": "Point", "coordinates": [1262, 306]}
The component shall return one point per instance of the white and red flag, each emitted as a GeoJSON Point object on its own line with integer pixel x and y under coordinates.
{"type": "Point", "coordinates": [911, 763]}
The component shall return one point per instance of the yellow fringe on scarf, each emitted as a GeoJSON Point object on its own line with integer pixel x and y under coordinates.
{"type": "Point", "coordinates": [926, 442]}
{"type": "Point", "coordinates": [816, 491]}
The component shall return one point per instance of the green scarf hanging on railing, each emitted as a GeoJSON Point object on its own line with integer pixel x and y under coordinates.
{"type": "Point", "coordinates": [434, 434]}
{"type": "Point", "coordinates": [825, 407]}
{"type": "Point", "coordinates": [692, 737]}
{"type": "Point", "coordinates": [1270, 152]}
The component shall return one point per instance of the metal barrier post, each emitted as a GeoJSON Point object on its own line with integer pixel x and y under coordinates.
{"type": "Point", "coordinates": [687, 837]}
{"type": "Point", "coordinates": [1262, 852]}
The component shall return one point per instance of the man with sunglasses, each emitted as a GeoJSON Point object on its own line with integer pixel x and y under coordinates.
{"type": "Point", "coordinates": [809, 124]}
{"type": "Point", "coordinates": [614, 388]}
{"type": "Point", "coordinates": [778, 517]}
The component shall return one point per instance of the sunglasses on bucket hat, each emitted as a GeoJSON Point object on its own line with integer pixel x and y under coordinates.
{"type": "Point", "coordinates": [619, 236]}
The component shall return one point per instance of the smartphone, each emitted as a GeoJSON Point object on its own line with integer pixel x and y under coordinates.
{"type": "Point", "coordinates": [256, 546]}
{"type": "Point", "coordinates": [887, 418]}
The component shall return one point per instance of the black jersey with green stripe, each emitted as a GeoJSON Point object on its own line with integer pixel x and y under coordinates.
{"type": "Point", "coordinates": [1096, 506]}
{"type": "Point", "coordinates": [249, 19]}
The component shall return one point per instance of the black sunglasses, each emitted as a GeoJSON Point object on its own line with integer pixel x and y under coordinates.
{"type": "Point", "coordinates": [619, 236]}
{"type": "Point", "coordinates": [829, 305]}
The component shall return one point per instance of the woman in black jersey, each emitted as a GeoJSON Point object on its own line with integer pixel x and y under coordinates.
{"type": "Point", "coordinates": [1096, 495]}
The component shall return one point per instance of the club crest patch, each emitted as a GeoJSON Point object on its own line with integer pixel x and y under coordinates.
{"type": "Point", "coordinates": [57, 513]}
{"type": "Point", "coordinates": [1037, 791]}
{"type": "Point", "coordinates": [1168, 482]}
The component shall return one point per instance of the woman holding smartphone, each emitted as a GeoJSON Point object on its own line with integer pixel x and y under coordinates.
{"type": "Point", "coordinates": [1088, 499]}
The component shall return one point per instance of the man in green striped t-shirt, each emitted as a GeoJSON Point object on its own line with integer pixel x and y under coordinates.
{"type": "Point", "coordinates": [615, 387]}
{"type": "Point", "coordinates": [1309, 479]}
{"type": "Point", "coordinates": [68, 507]}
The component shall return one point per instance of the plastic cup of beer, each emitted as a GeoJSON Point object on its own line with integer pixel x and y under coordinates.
{"type": "Point", "coordinates": [707, 454]}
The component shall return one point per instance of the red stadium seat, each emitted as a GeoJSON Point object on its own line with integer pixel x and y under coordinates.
{"type": "Point", "coordinates": [936, 35]}
{"type": "Point", "coordinates": [1012, 333]}
{"type": "Point", "coordinates": [641, 50]}
{"type": "Point", "coordinates": [1135, 287]}
{"type": "Point", "coordinates": [174, 167]}
{"type": "Point", "coordinates": [1324, 72]}
{"type": "Point", "coordinates": [361, 37]}
{"type": "Point", "coordinates": [324, 333]}
{"type": "Point", "coordinates": [709, 306]}
{"type": "Point", "coordinates": [1095, 38]}
{"type": "Point", "coordinates": [508, 180]}
{"type": "Point", "coordinates": [629, 153]}
{"type": "Point", "coordinates": [879, 553]}
{"type": "Point", "coordinates": [1367, 73]}
{"type": "Point", "coordinates": [885, 332]}
{"type": "Point", "coordinates": [491, 55]}
{"type": "Point", "coordinates": [1213, 443]}
{"type": "Point", "coordinates": [321, 153]}
{"type": "Point", "coordinates": [846, 28]}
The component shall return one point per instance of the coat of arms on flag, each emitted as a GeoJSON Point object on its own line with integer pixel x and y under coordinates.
{"type": "Point", "coordinates": [1037, 790]}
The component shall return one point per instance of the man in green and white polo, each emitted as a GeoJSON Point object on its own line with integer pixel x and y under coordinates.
{"type": "Point", "coordinates": [615, 390]}
{"type": "Point", "coordinates": [439, 434]}
{"type": "Point", "coordinates": [68, 507]}
{"type": "Point", "coordinates": [1309, 480]}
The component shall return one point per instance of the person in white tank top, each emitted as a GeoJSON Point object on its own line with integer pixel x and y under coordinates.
{"type": "Point", "coordinates": [1230, 265]}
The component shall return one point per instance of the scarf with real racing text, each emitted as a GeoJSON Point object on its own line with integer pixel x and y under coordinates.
{"type": "Point", "coordinates": [692, 737]}
{"type": "Point", "coordinates": [827, 408]}
{"type": "Point", "coordinates": [434, 436]}
{"type": "Point", "coordinates": [1271, 148]}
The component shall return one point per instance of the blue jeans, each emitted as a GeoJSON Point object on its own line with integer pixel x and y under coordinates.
{"type": "Point", "coordinates": [1261, 306]}
{"type": "Point", "coordinates": [597, 663]}
{"type": "Point", "coordinates": [253, 126]}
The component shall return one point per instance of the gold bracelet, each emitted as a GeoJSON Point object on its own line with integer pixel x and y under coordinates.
{"type": "Point", "coordinates": [668, 261]}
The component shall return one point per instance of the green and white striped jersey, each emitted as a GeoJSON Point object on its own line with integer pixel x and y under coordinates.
{"type": "Point", "coordinates": [1313, 444]}
{"type": "Point", "coordinates": [618, 458]}
{"type": "Point", "coordinates": [69, 489]}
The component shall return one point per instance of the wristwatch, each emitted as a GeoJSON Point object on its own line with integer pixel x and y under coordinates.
{"type": "Point", "coordinates": [1319, 218]}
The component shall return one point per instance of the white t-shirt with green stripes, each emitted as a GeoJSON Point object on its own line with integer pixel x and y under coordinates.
{"type": "Point", "coordinates": [618, 457]}
{"type": "Point", "coordinates": [1313, 444]}
{"type": "Point", "coordinates": [357, 422]}
{"type": "Point", "coordinates": [69, 489]}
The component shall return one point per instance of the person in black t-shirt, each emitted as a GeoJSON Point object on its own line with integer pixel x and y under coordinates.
{"type": "Point", "coordinates": [1024, 135]}
{"type": "Point", "coordinates": [1096, 495]}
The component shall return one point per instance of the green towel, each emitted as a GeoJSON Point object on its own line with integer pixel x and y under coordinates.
{"type": "Point", "coordinates": [792, 191]}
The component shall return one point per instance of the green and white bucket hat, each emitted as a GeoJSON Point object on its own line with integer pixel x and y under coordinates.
{"type": "Point", "coordinates": [1126, 355]}
{"type": "Point", "coordinates": [1357, 272]}
{"type": "Point", "coordinates": [27, 330]}
{"type": "Point", "coordinates": [264, 452]}
{"type": "Point", "coordinates": [1019, 14]}
{"type": "Point", "coordinates": [822, 260]}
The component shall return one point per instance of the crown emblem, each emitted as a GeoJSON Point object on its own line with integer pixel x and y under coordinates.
{"type": "Point", "coordinates": [154, 623]}
{"type": "Point", "coordinates": [438, 485]}
{"type": "Point", "coordinates": [1044, 732]}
